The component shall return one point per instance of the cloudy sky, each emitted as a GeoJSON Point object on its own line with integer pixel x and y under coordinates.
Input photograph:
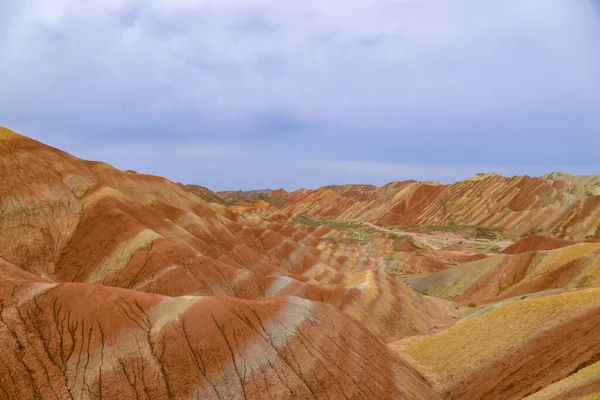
{"type": "Point", "coordinates": [265, 94]}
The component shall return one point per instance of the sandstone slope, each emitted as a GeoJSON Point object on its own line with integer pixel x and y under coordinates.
{"type": "Point", "coordinates": [119, 285]}
{"type": "Point", "coordinates": [515, 350]}
{"type": "Point", "coordinates": [559, 204]}
{"type": "Point", "coordinates": [508, 275]}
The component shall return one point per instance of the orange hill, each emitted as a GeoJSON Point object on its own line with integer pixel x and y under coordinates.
{"type": "Point", "coordinates": [120, 285]}
{"type": "Point", "coordinates": [563, 205]}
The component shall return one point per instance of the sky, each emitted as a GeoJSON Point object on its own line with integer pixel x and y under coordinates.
{"type": "Point", "coordinates": [253, 94]}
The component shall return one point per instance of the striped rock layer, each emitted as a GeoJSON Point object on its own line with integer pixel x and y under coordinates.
{"type": "Point", "coordinates": [116, 284]}
{"type": "Point", "coordinates": [120, 285]}
{"type": "Point", "coordinates": [560, 204]}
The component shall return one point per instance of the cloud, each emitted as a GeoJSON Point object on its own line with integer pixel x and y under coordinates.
{"type": "Point", "coordinates": [419, 82]}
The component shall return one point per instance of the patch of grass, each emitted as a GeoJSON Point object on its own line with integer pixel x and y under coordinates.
{"type": "Point", "coordinates": [444, 228]}
{"type": "Point", "coordinates": [487, 233]}
{"type": "Point", "coordinates": [495, 249]}
{"type": "Point", "coordinates": [393, 236]}
{"type": "Point", "coordinates": [472, 305]}
{"type": "Point", "coordinates": [404, 237]}
{"type": "Point", "coordinates": [424, 250]}
{"type": "Point", "coordinates": [586, 280]}
{"type": "Point", "coordinates": [594, 236]}
{"type": "Point", "coordinates": [329, 222]}
{"type": "Point", "coordinates": [534, 231]}
{"type": "Point", "coordinates": [277, 201]}
{"type": "Point", "coordinates": [340, 240]}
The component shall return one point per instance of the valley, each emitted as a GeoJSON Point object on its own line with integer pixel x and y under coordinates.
{"type": "Point", "coordinates": [117, 284]}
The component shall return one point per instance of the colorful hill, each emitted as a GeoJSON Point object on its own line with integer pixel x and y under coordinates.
{"type": "Point", "coordinates": [514, 351]}
{"type": "Point", "coordinates": [563, 205]}
{"type": "Point", "coordinates": [118, 285]}
{"type": "Point", "coordinates": [509, 275]}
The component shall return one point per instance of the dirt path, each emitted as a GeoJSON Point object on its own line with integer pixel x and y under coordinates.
{"type": "Point", "coordinates": [444, 239]}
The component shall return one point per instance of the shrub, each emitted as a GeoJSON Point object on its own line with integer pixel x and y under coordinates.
{"type": "Point", "coordinates": [595, 235]}
{"type": "Point", "coordinates": [472, 305]}
{"type": "Point", "coordinates": [486, 233]}
{"type": "Point", "coordinates": [534, 231]}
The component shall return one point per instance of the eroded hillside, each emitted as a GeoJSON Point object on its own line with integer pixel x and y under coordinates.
{"type": "Point", "coordinates": [557, 204]}
{"type": "Point", "coordinates": [120, 285]}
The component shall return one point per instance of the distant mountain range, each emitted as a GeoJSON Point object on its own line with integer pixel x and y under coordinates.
{"type": "Point", "coordinates": [564, 205]}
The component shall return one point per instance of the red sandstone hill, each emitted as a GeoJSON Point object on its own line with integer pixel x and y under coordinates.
{"type": "Point", "coordinates": [120, 285]}
{"type": "Point", "coordinates": [111, 284]}
{"type": "Point", "coordinates": [564, 205]}
{"type": "Point", "coordinates": [205, 194]}
{"type": "Point", "coordinates": [536, 242]}
{"type": "Point", "coordinates": [278, 197]}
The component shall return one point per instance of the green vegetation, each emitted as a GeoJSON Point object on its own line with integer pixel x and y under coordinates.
{"type": "Point", "coordinates": [495, 249]}
{"type": "Point", "coordinates": [424, 250]}
{"type": "Point", "coordinates": [557, 230]}
{"type": "Point", "coordinates": [340, 239]}
{"type": "Point", "coordinates": [277, 201]}
{"type": "Point", "coordinates": [487, 233]}
{"type": "Point", "coordinates": [233, 198]}
{"type": "Point", "coordinates": [534, 231]}
{"type": "Point", "coordinates": [394, 236]}
{"type": "Point", "coordinates": [361, 235]}
{"type": "Point", "coordinates": [594, 236]}
{"type": "Point", "coordinates": [585, 281]}
{"type": "Point", "coordinates": [482, 233]}
{"type": "Point", "coordinates": [445, 228]}
{"type": "Point", "coordinates": [472, 305]}
{"type": "Point", "coordinates": [405, 237]}
{"type": "Point", "coordinates": [329, 222]}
